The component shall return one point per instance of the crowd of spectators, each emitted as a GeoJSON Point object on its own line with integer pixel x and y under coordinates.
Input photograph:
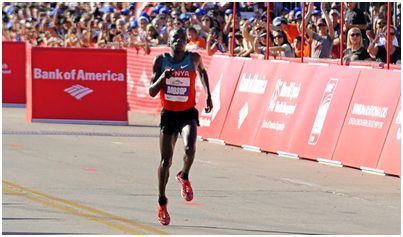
{"type": "Point", "coordinates": [209, 27]}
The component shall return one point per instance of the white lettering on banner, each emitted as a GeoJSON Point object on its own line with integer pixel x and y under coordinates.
{"type": "Point", "coordinates": [5, 69]}
{"type": "Point", "coordinates": [255, 85]}
{"type": "Point", "coordinates": [142, 88]}
{"type": "Point", "coordinates": [289, 92]}
{"type": "Point", "coordinates": [370, 110]}
{"type": "Point", "coordinates": [365, 123]}
{"type": "Point", "coordinates": [398, 122]}
{"type": "Point", "coordinates": [243, 113]}
{"type": "Point", "coordinates": [273, 125]}
{"type": "Point", "coordinates": [78, 75]}
{"type": "Point", "coordinates": [321, 114]}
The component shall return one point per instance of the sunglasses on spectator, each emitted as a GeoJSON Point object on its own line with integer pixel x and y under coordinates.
{"type": "Point", "coordinates": [278, 36]}
{"type": "Point", "coordinates": [380, 23]}
{"type": "Point", "coordinates": [355, 34]}
{"type": "Point", "coordinates": [206, 19]}
{"type": "Point", "coordinates": [320, 25]}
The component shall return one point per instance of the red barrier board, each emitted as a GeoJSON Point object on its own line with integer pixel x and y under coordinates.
{"type": "Point", "coordinates": [323, 112]}
{"type": "Point", "coordinates": [391, 152]}
{"type": "Point", "coordinates": [87, 85]}
{"type": "Point", "coordinates": [223, 75]}
{"type": "Point", "coordinates": [249, 103]}
{"type": "Point", "coordinates": [139, 71]}
{"type": "Point", "coordinates": [14, 72]}
{"type": "Point", "coordinates": [368, 119]}
{"type": "Point", "coordinates": [287, 92]}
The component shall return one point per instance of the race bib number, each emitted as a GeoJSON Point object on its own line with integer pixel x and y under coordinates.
{"type": "Point", "coordinates": [177, 89]}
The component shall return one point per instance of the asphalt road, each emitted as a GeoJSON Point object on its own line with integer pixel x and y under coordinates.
{"type": "Point", "coordinates": [93, 179]}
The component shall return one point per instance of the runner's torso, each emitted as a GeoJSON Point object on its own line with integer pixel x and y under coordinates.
{"type": "Point", "coordinates": [178, 94]}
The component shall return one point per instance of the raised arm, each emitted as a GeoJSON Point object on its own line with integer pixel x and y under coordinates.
{"type": "Point", "coordinates": [327, 18]}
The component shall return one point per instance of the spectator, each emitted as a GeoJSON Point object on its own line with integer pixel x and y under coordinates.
{"type": "Point", "coordinates": [281, 45]}
{"type": "Point", "coordinates": [247, 39]}
{"type": "Point", "coordinates": [354, 17]}
{"type": "Point", "coordinates": [335, 18]}
{"type": "Point", "coordinates": [259, 44]}
{"type": "Point", "coordinates": [379, 51]}
{"type": "Point", "coordinates": [322, 42]}
{"type": "Point", "coordinates": [215, 42]}
{"type": "Point", "coordinates": [355, 50]}
{"type": "Point", "coordinates": [297, 47]}
{"type": "Point", "coordinates": [195, 42]}
{"type": "Point", "coordinates": [291, 30]}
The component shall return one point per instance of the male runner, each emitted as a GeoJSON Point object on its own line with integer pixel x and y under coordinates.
{"type": "Point", "coordinates": [174, 76]}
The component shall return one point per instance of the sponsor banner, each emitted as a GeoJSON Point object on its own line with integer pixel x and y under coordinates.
{"type": "Point", "coordinates": [223, 76]}
{"type": "Point", "coordinates": [391, 152]}
{"type": "Point", "coordinates": [323, 111]}
{"type": "Point", "coordinates": [14, 72]}
{"type": "Point", "coordinates": [78, 84]}
{"type": "Point", "coordinates": [249, 102]}
{"type": "Point", "coordinates": [368, 119]}
{"type": "Point", "coordinates": [285, 103]}
{"type": "Point", "coordinates": [139, 71]}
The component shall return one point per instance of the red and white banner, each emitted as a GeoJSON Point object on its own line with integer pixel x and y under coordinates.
{"type": "Point", "coordinates": [391, 152]}
{"type": "Point", "coordinates": [223, 74]}
{"type": "Point", "coordinates": [324, 108]}
{"type": "Point", "coordinates": [249, 103]}
{"type": "Point", "coordinates": [285, 104]}
{"type": "Point", "coordinates": [139, 71]}
{"type": "Point", "coordinates": [84, 85]}
{"type": "Point", "coordinates": [369, 118]}
{"type": "Point", "coordinates": [14, 69]}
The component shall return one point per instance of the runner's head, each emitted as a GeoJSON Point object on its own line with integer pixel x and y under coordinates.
{"type": "Point", "coordinates": [177, 40]}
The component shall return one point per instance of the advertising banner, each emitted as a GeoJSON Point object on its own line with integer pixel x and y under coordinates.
{"type": "Point", "coordinates": [368, 119]}
{"type": "Point", "coordinates": [391, 152]}
{"type": "Point", "coordinates": [139, 71]}
{"type": "Point", "coordinates": [14, 73]}
{"type": "Point", "coordinates": [86, 85]}
{"type": "Point", "coordinates": [323, 111]}
{"type": "Point", "coordinates": [287, 91]}
{"type": "Point", "coordinates": [249, 103]}
{"type": "Point", "coordinates": [223, 75]}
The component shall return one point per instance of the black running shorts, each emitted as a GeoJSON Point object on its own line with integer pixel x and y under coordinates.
{"type": "Point", "coordinates": [173, 122]}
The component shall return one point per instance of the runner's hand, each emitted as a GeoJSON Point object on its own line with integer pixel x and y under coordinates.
{"type": "Point", "coordinates": [168, 73]}
{"type": "Point", "coordinates": [209, 106]}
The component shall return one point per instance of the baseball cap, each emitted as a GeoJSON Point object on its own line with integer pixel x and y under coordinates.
{"type": "Point", "coordinates": [164, 10]}
{"type": "Point", "coordinates": [278, 20]}
{"type": "Point", "coordinates": [184, 16]}
{"type": "Point", "coordinates": [228, 12]}
{"type": "Point", "coordinates": [298, 15]}
{"type": "Point", "coordinates": [285, 9]}
{"type": "Point", "coordinates": [157, 8]}
{"type": "Point", "coordinates": [107, 8]}
{"type": "Point", "coordinates": [125, 11]}
{"type": "Point", "coordinates": [316, 12]}
{"type": "Point", "coordinates": [143, 18]}
{"type": "Point", "coordinates": [200, 11]}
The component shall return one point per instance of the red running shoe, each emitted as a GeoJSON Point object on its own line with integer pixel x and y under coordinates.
{"type": "Point", "coordinates": [186, 192]}
{"type": "Point", "coordinates": [163, 216]}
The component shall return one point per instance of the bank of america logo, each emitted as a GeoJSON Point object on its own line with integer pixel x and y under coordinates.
{"type": "Point", "coordinates": [78, 91]}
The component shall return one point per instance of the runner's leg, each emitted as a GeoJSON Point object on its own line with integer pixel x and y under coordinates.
{"type": "Point", "coordinates": [189, 134]}
{"type": "Point", "coordinates": [167, 145]}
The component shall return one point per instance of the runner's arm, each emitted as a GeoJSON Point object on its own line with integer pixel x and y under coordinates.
{"type": "Point", "coordinates": [158, 77]}
{"type": "Point", "coordinates": [204, 79]}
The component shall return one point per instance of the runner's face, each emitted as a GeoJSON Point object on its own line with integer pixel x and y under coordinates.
{"type": "Point", "coordinates": [178, 41]}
